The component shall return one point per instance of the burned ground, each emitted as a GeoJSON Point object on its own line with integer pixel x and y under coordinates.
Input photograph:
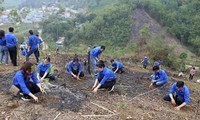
{"type": "Point", "coordinates": [70, 99]}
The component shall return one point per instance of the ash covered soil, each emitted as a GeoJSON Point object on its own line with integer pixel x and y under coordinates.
{"type": "Point", "coordinates": [70, 99]}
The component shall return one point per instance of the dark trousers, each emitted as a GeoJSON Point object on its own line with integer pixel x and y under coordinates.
{"type": "Point", "coordinates": [178, 99]}
{"type": "Point", "coordinates": [120, 70]}
{"type": "Point", "coordinates": [33, 88]}
{"type": "Point", "coordinates": [191, 77]}
{"type": "Point", "coordinates": [76, 72]}
{"type": "Point", "coordinates": [51, 77]}
{"type": "Point", "coordinates": [13, 55]}
{"type": "Point", "coordinates": [35, 51]}
{"type": "Point", "coordinates": [108, 84]}
{"type": "Point", "coordinates": [145, 65]}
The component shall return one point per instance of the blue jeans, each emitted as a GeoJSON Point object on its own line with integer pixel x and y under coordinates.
{"type": "Point", "coordinates": [3, 51]}
{"type": "Point", "coordinates": [35, 51]}
{"type": "Point", "coordinates": [94, 62]}
{"type": "Point", "coordinates": [160, 83]}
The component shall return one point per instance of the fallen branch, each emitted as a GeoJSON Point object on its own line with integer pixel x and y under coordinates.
{"type": "Point", "coordinates": [99, 115]}
{"type": "Point", "coordinates": [103, 108]}
{"type": "Point", "coordinates": [142, 94]}
{"type": "Point", "coordinates": [57, 116]}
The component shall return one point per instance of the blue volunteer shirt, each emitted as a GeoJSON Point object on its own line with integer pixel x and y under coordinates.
{"type": "Point", "coordinates": [145, 60]}
{"type": "Point", "coordinates": [184, 92]}
{"type": "Point", "coordinates": [117, 65]}
{"type": "Point", "coordinates": [108, 75]}
{"type": "Point", "coordinates": [33, 43]}
{"type": "Point", "coordinates": [2, 41]}
{"type": "Point", "coordinates": [11, 40]}
{"type": "Point", "coordinates": [95, 52]}
{"type": "Point", "coordinates": [43, 67]}
{"type": "Point", "coordinates": [19, 80]}
{"type": "Point", "coordinates": [160, 76]}
{"type": "Point", "coordinates": [72, 67]}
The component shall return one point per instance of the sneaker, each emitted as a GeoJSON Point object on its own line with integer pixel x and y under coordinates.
{"type": "Point", "coordinates": [111, 89]}
{"type": "Point", "coordinates": [25, 99]}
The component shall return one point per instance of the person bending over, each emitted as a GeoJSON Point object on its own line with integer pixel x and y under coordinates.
{"type": "Point", "coordinates": [43, 70]}
{"type": "Point", "coordinates": [117, 66]}
{"type": "Point", "coordinates": [105, 78]}
{"type": "Point", "coordinates": [22, 80]}
{"type": "Point", "coordinates": [74, 67]}
{"type": "Point", "coordinates": [179, 95]}
{"type": "Point", "coordinates": [159, 78]}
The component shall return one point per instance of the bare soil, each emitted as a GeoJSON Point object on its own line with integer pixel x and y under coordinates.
{"type": "Point", "coordinates": [70, 99]}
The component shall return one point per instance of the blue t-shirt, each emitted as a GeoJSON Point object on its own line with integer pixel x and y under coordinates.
{"type": "Point", "coordinates": [145, 60]}
{"type": "Point", "coordinates": [11, 40]}
{"type": "Point", "coordinates": [160, 76]}
{"type": "Point", "coordinates": [184, 92]}
{"type": "Point", "coordinates": [43, 67]}
{"type": "Point", "coordinates": [33, 43]}
{"type": "Point", "coordinates": [95, 52]}
{"type": "Point", "coordinates": [107, 74]}
{"type": "Point", "coordinates": [72, 67]}
{"type": "Point", "coordinates": [117, 65]}
{"type": "Point", "coordinates": [19, 80]}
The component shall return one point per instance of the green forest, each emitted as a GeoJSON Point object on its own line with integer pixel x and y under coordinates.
{"type": "Point", "coordinates": [111, 24]}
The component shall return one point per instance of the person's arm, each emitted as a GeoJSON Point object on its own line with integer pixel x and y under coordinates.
{"type": "Point", "coordinates": [172, 99]}
{"type": "Point", "coordinates": [180, 106]}
{"type": "Point", "coordinates": [38, 76]}
{"type": "Point", "coordinates": [117, 68]}
{"type": "Point", "coordinates": [171, 92]}
{"type": "Point", "coordinates": [96, 88]}
{"type": "Point", "coordinates": [79, 70]}
{"type": "Point", "coordinates": [95, 83]}
{"type": "Point", "coordinates": [70, 70]}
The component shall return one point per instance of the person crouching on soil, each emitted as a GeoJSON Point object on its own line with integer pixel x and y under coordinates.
{"type": "Point", "coordinates": [179, 95]}
{"type": "Point", "coordinates": [43, 70]}
{"type": "Point", "coordinates": [22, 81]}
{"type": "Point", "coordinates": [117, 66]}
{"type": "Point", "coordinates": [74, 67]}
{"type": "Point", "coordinates": [192, 73]}
{"type": "Point", "coordinates": [160, 77]}
{"type": "Point", "coordinates": [105, 78]}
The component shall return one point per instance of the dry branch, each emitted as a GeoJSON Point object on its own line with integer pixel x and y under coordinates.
{"type": "Point", "coordinates": [103, 108]}
{"type": "Point", "coordinates": [57, 116]}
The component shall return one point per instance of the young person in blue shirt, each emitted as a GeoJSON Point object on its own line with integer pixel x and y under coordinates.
{"type": "Point", "coordinates": [145, 62]}
{"type": "Point", "coordinates": [74, 67]}
{"type": "Point", "coordinates": [160, 77]}
{"type": "Point", "coordinates": [117, 66]}
{"type": "Point", "coordinates": [179, 95]}
{"type": "Point", "coordinates": [94, 55]}
{"type": "Point", "coordinates": [105, 78]}
{"type": "Point", "coordinates": [22, 81]}
{"type": "Point", "coordinates": [39, 42]}
{"type": "Point", "coordinates": [11, 43]}
{"type": "Point", "coordinates": [32, 46]}
{"type": "Point", "coordinates": [43, 70]}
{"type": "Point", "coordinates": [3, 48]}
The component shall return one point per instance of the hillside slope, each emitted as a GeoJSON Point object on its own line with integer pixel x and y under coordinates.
{"type": "Point", "coordinates": [141, 18]}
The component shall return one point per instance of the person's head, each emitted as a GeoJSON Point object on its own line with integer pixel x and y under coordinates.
{"type": "Point", "coordinates": [193, 68]}
{"type": "Point", "coordinates": [30, 32]}
{"type": "Point", "coordinates": [47, 60]}
{"type": "Point", "coordinates": [75, 60]}
{"type": "Point", "coordinates": [11, 29]}
{"type": "Point", "coordinates": [179, 85]}
{"type": "Point", "coordinates": [101, 62]}
{"type": "Point", "coordinates": [100, 67]}
{"type": "Point", "coordinates": [27, 68]}
{"type": "Point", "coordinates": [103, 48]}
{"type": "Point", "coordinates": [37, 35]}
{"type": "Point", "coordinates": [2, 33]}
{"type": "Point", "coordinates": [112, 61]}
{"type": "Point", "coordinates": [156, 69]}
